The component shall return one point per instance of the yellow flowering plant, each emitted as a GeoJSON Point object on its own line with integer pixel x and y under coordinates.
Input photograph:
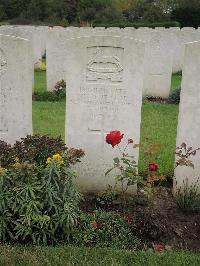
{"type": "Point", "coordinates": [39, 204]}
{"type": "Point", "coordinates": [56, 158]}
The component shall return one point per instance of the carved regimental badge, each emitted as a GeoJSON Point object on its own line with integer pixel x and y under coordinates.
{"type": "Point", "coordinates": [3, 62]}
{"type": "Point", "coordinates": [105, 63]}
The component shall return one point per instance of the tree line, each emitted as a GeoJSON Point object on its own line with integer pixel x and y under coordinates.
{"type": "Point", "coordinates": [99, 12]}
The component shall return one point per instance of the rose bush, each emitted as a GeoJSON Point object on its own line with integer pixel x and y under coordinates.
{"type": "Point", "coordinates": [127, 169]}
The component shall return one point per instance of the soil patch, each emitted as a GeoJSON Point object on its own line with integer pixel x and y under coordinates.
{"type": "Point", "coordinates": [160, 221]}
{"type": "Point", "coordinates": [164, 222]}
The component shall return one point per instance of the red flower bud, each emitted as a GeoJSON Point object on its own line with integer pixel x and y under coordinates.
{"type": "Point", "coordinates": [114, 138]}
{"type": "Point", "coordinates": [93, 224]}
{"type": "Point", "coordinates": [158, 247]}
{"type": "Point", "coordinates": [153, 166]}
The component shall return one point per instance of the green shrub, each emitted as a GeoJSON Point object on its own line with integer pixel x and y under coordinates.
{"type": "Point", "coordinates": [7, 155]}
{"type": "Point", "coordinates": [59, 93]}
{"type": "Point", "coordinates": [38, 148]}
{"type": "Point", "coordinates": [107, 197]}
{"type": "Point", "coordinates": [174, 96]}
{"type": "Point", "coordinates": [39, 203]}
{"type": "Point", "coordinates": [188, 196]}
{"type": "Point", "coordinates": [49, 96]}
{"type": "Point", "coordinates": [105, 229]}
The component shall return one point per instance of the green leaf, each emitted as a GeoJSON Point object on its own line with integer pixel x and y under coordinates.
{"type": "Point", "coordinates": [109, 170]}
{"type": "Point", "coordinates": [116, 160]}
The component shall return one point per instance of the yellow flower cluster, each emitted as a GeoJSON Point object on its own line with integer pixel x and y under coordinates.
{"type": "Point", "coordinates": [2, 170]}
{"type": "Point", "coordinates": [43, 66]}
{"type": "Point", "coordinates": [56, 157]}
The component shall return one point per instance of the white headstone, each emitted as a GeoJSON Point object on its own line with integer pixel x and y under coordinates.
{"type": "Point", "coordinates": [158, 61]}
{"type": "Point", "coordinates": [180, 38]}
{"type": "Point", "coordinates": [56, 55]}
{"type": "Point", "coordinates": [189, 112]}
{"type": "Point", "coordinates": [104, 78]}
{"type": "Point", "coordinates": [16, 74]}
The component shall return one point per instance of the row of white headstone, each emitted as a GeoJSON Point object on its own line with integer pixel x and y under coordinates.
{"type": "Point", "coordinates": [105, 76]}
{"type": "Point", "coordinates": [163, 55]}
{"type": "Point", "coordinates": [164, 52]}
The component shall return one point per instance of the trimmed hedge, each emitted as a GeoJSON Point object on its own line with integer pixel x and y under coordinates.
{"type": "Point", "coordinates": [49, 96]}
{"type": "Point", "coordinates": [166, 24]}
{"type": "Point", "coordinates": [174, 96]}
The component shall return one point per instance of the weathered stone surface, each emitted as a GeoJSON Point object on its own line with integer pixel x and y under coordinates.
{"type": "Point", "coordinates": [16, 75]}
{"type": "Point", "coordinates": [189, 112]}
{"type": "Point", "coordinates": [104, 77]}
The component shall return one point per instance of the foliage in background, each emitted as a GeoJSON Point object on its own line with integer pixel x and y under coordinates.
{"type": "Point", "coordinates": [105, 229]}
{"type": "Point", "coordinates": [96, 12]}
{"type": "Point", "coordinates": [187, 16]}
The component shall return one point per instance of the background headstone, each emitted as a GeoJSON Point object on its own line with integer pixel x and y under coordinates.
{"type": "Point", "coordinates": [189, 112]}
{"type": "Point", "coordinates": [16, 75]}
{"type": "Point", "coordinates": [158, 64]}
{"type": "Point", "coordinates": [56, 55]}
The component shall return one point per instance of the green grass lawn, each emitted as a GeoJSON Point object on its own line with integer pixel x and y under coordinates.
{"type": "Point", "coordinates": [159, 122]}
{"type": "Point", "coordinates": [176, 81]}
{"type": "Point", "coordinates": [49, 118]}
{"type": "Point", "coordinates": [40, 81]}
{"type": "Point", "coordinates": [63, 255]}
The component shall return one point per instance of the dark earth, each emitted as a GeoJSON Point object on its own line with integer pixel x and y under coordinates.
{"type": "Point", "coordinates": [164, 222]}
{"type": "Point", "coordinates": [158, 221]}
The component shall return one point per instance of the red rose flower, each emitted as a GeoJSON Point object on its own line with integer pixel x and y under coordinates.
{"type": "Point", "coordinates": [153, 166]}
{"type": "Point", "coordinates": [114, 138]}
{"type": "Point", "coordinates": [158, 247]}
{"type": "Point", "coordinates": [93, 224]}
